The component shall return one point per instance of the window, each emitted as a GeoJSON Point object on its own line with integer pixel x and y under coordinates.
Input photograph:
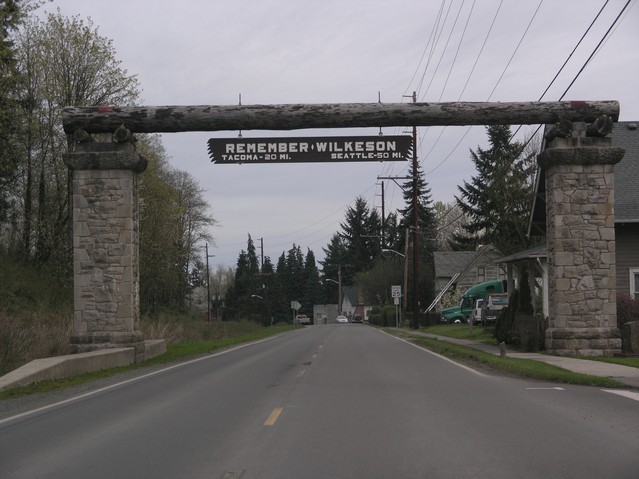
{"type": "Point", "coordinates": [481, 274]}
{"type": "Point", "coordinates": [634, 283]}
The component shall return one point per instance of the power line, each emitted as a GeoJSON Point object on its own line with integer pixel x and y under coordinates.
{"type": "Point", "coordinates": [595, 50]}
{"type": "Point", "coordinates": [516, 49]}
{"type": "Point", "coordinates": [564, 65]}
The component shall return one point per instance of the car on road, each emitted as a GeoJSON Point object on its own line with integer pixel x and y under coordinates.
{"type": "Point", "coordinates": [341, 319]}
{"type": "Point", "coordinates": [302, 319]}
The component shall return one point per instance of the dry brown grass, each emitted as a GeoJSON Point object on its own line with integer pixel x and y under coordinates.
{"type": "Point", "coordinates": [23, 339]}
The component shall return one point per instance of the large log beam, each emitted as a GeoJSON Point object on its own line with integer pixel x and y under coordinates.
{"type": "Point", "coordinates": [171, 119]}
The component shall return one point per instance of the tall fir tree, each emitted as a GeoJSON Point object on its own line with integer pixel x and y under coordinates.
{"type": "Point", "coordinates": [247, 283]}
{"type": "Point", "coordinates": [427, 241]}
{"type": "Point", "coordinates": [335, 254]}
{"type": "Point", "coordinates": [498, 197]}
{"type": "Point", "coordinates": [361, 232]}
{"type": "Point", "coordinates": [313, 293]}
{"type": "Point", "coordinates": [425, 214]}
{"type": "Point", "coordinates": [280, 301]}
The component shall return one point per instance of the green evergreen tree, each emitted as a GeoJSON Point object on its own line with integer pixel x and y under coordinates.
{"type": "Point", "coordinates": [497, 199]}
{"type": "Point", "coordinates": [313, 293]}
{"type": "Point", "coordinates": [280, 301]}
{"type": "Point", "coordinates": [294, 278]}
{"type": "Point", "coordinates": [247, 283]}
{"type": "Point", "coordinates": [392, 233]}
{"type": "Point", "coordinates": [335, 254]}
{"type": "Point", "coordinates": [425, 213]}
{"type": "Point", "coordinates": [360, 232]}
{"type": "Point", "coordinates": [427, 239]}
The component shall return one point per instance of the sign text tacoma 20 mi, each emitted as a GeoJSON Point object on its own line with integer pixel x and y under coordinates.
{"type": "Point", "coordinates": [317, 149]}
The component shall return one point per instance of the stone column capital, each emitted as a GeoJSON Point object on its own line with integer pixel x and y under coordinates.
{"type": "Point", "coordinates": [105, 156]}
{"type": "Point", "coordinates": [588, 155]}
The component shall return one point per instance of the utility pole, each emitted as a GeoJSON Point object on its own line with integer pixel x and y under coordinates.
{"type": "Point", "coordinates": [415, 230]}
{"type": "Point", "coordinates": [262, 255]}
{"type": "Point", "coordinates": [383, 220]}
{"type": "Point", "coordinates": [208, 286]}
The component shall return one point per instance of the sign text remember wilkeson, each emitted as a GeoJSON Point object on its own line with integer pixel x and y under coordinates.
{"type": "Point", "coordinates": [318, 149]}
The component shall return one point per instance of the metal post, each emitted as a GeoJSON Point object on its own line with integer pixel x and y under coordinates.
{"type": "Point", "coordinates": [339, 290]}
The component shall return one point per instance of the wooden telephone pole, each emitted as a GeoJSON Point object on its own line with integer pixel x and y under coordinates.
{"type": "Point", "coordinates": [415, 230]}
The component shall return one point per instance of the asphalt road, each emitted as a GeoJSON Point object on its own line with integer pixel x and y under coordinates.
{"type": "Point", "coordinates": [337, 401]}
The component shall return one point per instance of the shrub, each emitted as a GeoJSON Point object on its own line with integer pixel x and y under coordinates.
{"type": "Point", "coordinates": [506, 319]}
{"type": "Point", "coordinates": [452, 298]}
{"type": "Point", "coordinates": [627, 310]}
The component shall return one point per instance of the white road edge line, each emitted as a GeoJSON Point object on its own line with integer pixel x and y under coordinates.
{"type": "Point", "coordinates": [478, 373]}
{"type": "Point", "coordinates": [144, 376]}
{"type": "Point", "coordinates": [627, 394]}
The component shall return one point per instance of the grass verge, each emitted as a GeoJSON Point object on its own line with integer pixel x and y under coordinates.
{"type": "Point", "coordinates": [484, 335]}
{"type": "Point", "coordinates": [463, 331]}
{"type": "Point", "coordinates": [175, 352]}
{"type": "Point", "coordinates": [525, 368]}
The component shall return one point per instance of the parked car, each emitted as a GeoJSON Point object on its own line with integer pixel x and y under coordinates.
{"type": "Point", "coordinates": [493, 305]}
{"type": "Point", "coordinates": [341, 319]}
{"type": "Point", "coordinates": [357, 319]}
{"type": "Point", "coordinates": [302, 319]}
{"type": "Point", "coordinates": [477, 312]}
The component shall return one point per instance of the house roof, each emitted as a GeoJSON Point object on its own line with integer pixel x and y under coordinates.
{"type": "Point", "coordinates": [352, 293]}
{"type": "Point", "coordinates": [624, 135]}
{"type": "Point", "coordinates": [449, 263]}
{"type": "Point", "coordinates": [540, 251]}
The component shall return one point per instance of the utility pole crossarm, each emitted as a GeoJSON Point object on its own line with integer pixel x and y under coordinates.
{"type": "Point", "coordinates": [176, 118]}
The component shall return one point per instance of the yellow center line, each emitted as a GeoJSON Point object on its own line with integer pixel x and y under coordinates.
{"type": "Point", "coordinates": [272, 419]}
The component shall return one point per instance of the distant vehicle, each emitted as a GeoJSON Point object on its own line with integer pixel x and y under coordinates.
{"type": "Point", "coordinates": [477, 311]}
{"type": "Point", "coordinates": [464, 311]}
{"type": "Point", "coordinates": [302, 319]}
{"type": "Point", "coordinates": [341, 319]}
{"type": "Point", "coordinates": [357, 319]}
{"type": "Point", "coordinates": [492, 306]}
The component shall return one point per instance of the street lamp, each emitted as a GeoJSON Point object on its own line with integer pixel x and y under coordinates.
{"type": "Point", "coordinates": [258, 297]}
{"type": "Point", "coordinates": [387, 250]}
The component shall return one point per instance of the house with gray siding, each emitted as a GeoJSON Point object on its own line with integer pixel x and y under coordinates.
{"type": "Point", "coordinates": [472, 267]}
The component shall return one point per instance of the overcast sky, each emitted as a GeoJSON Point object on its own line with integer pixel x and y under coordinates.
{"type": "Point", "coordinates": [208, 52]}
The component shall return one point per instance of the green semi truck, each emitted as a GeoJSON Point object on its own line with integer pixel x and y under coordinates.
{"type": "Point", "coordinates": [463, 312]}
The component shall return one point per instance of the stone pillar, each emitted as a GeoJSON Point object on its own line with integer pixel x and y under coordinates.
{"type": "Point", "coordinates": [581, 245]}
{"type": "Point", "coordinates": [106, 246]}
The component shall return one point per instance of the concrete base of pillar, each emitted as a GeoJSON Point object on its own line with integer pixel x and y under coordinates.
{"type": "Point", "coordinates": [583, 341]}
{"type": "Point", "coordinates": [87, 342]}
